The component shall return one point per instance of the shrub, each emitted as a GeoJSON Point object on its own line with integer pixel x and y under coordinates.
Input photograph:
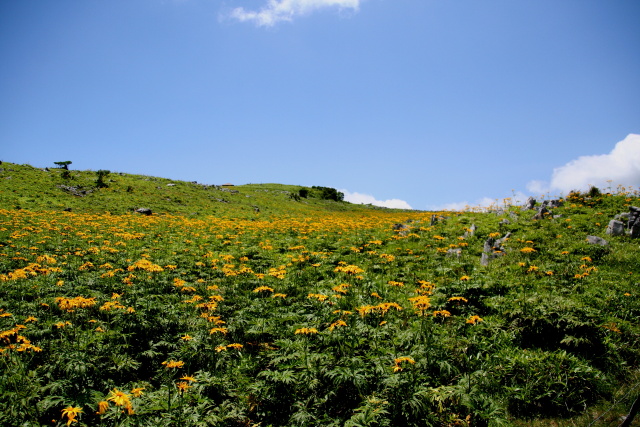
{"type": "Point", "coordinates": [102, 174]}
{"type": "Point", "coordinates": [328, 193]}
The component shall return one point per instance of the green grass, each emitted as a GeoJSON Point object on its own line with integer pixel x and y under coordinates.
{"type": "Point", "coordinates": [26, 187]}
{"type": "Point", "coordinates": [308, 312]}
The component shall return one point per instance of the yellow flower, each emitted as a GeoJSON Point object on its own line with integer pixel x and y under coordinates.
{"type": "Point", "coordinates": [527, 250]}
{"type": "Point", "coordinates": [186, 337]}
{"type": "Point", "coordinates": [183, 386]}
{"type": "Point", "coordinates": [400, 360]}
{"type": "Point", "coordinates": [119, 398]}
{"type": "Point", "coordinates": [102, 407]}
{"type": "Point", "coordinates": [306, 331]}
{"type": "Point", "coordinates": [474, 319]}
{"type": "Point", "coordinates": [336, 324]}
{"type": "Point", "coordinates": [188, 378]}
{"type": "Point", "coordinates": [137, 392]}
{"type": "Point", "coordinates": [263, 288]}
{"type": "Point", "coordinates": [235, 346]}
{"type": "Point", "coordinates": [173, 364]}
{"type": "Point", "coordinates": [443, 313]}
{"type": "Point", "coordinates": [71, 413]}
{"type": "Point", "coordinates": [394, 283]}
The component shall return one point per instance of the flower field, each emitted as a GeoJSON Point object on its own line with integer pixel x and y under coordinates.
{"type": "Point", "coordinates": [315, 317]}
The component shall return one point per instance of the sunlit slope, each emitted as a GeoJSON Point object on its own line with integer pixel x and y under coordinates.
{"type": "Point", "coordinates": [27, 187]}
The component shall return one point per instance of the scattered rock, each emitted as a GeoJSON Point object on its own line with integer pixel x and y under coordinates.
{"type": "Point", "coordinates": [531, 202]}
{"type": "Point", "coordinates": [555, 203]}
{"type": "Point", "coordinates": [595, 240]}
{"type": "Point", "coordinates": [144, 211]}
{"type": "Point", "coordinates": [493, 248]}
{"type": "Point", "coordinates": [470, 231]}
{"type": "Point", "coordinates": [76, 191]}
{"type": "Point", "coordinates": [541, 213]}
{"type": "Point", "coordinates": [615, 228]}
{"type": "Point", "coordinates": [171, 185]}
{"type": "Point", "coordinates": [634, 222]}
{"type": "Point", "coordinates": [454, 252]}
{"type": "Point", "coordinates": [484, 259]}
{"type": "Point", "coordinates": [623, 215]}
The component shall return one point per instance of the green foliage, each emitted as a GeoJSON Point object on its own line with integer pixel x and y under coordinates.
{"type": "Point", "coordinates": [63, 165]}
{"type": "Point", "coordinates": [102, 174]}
{"type": "Point", "coordinates": [313, 313]}
{"type": "Point", "coordinates": [328, 193]}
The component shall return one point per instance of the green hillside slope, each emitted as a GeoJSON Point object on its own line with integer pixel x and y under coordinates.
{"type": "Point", "coordinates": [251, 305]}
{"type": "Point", "coordinates": [27, 187]}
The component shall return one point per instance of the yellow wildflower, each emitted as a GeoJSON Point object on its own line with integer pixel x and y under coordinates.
{"type": "Point", "coordinates": [71, 413]}
{"type": "Point", "coordinates": [183, 386]}
{"type": "Point", "coordinates": [119, 398]}
{"type": "Point", "coordinates": [102, 407]}
{"type": "Point", "coordinates": [474, 319]}
{"type": "Point", "coordinates": [306, 331]}
{"type": "Point", "coordinates": [173, 364]}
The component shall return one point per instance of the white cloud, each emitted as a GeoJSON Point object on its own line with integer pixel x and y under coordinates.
{"type": "Point", "coordinates": [620, 167]}
{"type": "Point", "coordinates": [365, 199]}
{"type": "Point", "coordinates": [285, 10]}
{"type": "Point", "coordinates": [517, 198]}
{"type": "Point", "coordinates": [481, 204]}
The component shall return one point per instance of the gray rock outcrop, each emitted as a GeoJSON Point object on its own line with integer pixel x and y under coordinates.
{"type": "Point", "coordinates": [595, 240]}
{"type": "Point", "coordinates": [615, 228]}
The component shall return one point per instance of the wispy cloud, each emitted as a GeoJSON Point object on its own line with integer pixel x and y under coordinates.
{"type": "Point", "coordinates": [285, 10]}
{"type": "Point", "coordinates": [620, 167]}
{"type": "Point", "coordinates": [365, 199]}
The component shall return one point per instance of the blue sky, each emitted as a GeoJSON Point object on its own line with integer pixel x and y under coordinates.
{"type": "Point", "coordinates": [419, 103]}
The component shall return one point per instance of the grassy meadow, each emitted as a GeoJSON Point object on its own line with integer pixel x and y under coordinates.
{"type": "Point", "coordinates": [253, 306]}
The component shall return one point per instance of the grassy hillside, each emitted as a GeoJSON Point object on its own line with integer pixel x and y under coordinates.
{"type": "Point", "coordinates": [308, 312]}
{"type": "Point", "coordinates": [26, 187]}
